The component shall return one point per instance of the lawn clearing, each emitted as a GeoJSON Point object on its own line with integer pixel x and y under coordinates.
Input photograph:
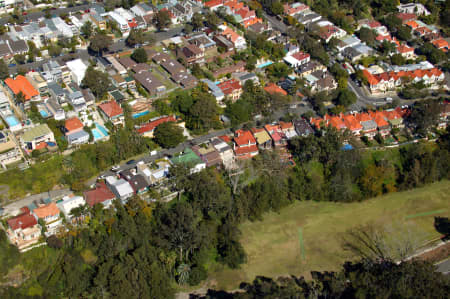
{"type": "Point", "coordinates": [273, 245]}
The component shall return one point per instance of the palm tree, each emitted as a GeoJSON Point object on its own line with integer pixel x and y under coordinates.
{"type": "Point", "coordinates": [183, 273]}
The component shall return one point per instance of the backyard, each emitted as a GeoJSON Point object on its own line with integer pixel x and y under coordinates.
{"type": "Point", "coordinates": [274, 247]}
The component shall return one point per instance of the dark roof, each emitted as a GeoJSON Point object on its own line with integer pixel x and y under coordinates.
{"type": "Point", "coordinates": [173, 67]}
{"type": "Point", "coordinates": [141, 67]}
{"type": "Point", "coordinates": [127, 62]}
{"type": "Point", "coordinates": [185, 79]}
{"type": "Point", "coordinates": [19, 46]}
{"type": "Point", "coordinates": [160, 57]}
{"type": "Point", "coordinates": [4, 50]}
{"type": "Point", "coordinates": [303, 127]}
{"type": "Point", "coordinates": [138, 182]}
{"type": "Point", "coordinates": [258, 27]}
{"type": "Point", "coordinates": [148, 81]}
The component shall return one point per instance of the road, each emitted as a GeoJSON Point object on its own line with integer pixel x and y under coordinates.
{"type": "Point", "coordinates": [444, 267]}
{"type": "Point", "coordinates": [275, 23]}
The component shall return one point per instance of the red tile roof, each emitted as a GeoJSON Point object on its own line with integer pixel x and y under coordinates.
{"type": "Point", "coordinates": [244, 138]}
{"type": "Point", "coordinates": [45, 211]}
{"type": "Point", "coordinates": [21, 84]}
{"type": "Point", "coordinates": [405, 17]}
{"type": "Point", "coordinates": [352, 123]}
{"type": "Point", "coordinates": [149, 127]}
{"type": "Point", "coordinates": [286, 125]}
{"type": "Point", "coordinates": [213, 3]}
{"type": "Point", "coordinates": [111, 108]}
{"type": "Point", "coordinates": [100, 194]}
{"type": "Point", "coordinates": [229, 86]}
{"type": "Point", "coordinates": [73, 124]}
{"type": "Point", "coordinates": [225, 138]}
{"type": "Point", "coordinates": [404, 49]}
{"type": "Point", "coordinates": [22, 221]}
{"type": "Point", "coordinates": [244, 150]}
{"type": "Point", "coordinates": [440, 44]}
{"type": "Point", "coordinates": [272, 88]}
{"type": "Point", "coordinates": [301, 55]}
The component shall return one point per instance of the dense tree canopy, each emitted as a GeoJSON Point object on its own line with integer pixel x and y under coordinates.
{"type": "Point", "coordinates": [169, 135]}
{"type": "Point", "coordinates": [97, 81]}
{"type": "Point", "coordinates": [139, 55]}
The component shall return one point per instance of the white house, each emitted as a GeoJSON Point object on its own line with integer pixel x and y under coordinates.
{"type": "Point", "coordinates": [121, 188]}
{"type": "Point", "coordinates": [413, 8]}
{"type": "Point", "coordinates": [121, 21]}
{"type": "Point", "coordinates": [77, 70]}
{"type": "Point", "coordinates": [70, 203]}
{"type": "Point", "coordinates": [297, 59]}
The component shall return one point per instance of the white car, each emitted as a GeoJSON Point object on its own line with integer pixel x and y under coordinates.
{"type": "Point", "coordinates": [115, 168]}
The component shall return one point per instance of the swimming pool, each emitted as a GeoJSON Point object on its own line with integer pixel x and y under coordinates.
{"type": "Point", "coordinates": [99, 132]}
{"type": "Point", "coordinates": [11, 120]}
{"type": "Point", "coordinates": [136, 115]}
{"type": "Point", "coordinates": [43, 113]}
{"type": "Point", "coordinates": [260, 66]}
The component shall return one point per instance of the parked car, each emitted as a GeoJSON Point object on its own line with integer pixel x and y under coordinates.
{"type": "Point", "coordinates": [131, 162]}
{"type": "Point", "coordinates": [115, 168]}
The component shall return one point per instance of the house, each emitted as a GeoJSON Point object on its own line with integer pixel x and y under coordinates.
{"type": "Point", "coordinates": [111, 111]}
{"type": "Point", "coordinates": [148, 129]}
{"type": "Point", "coordinates": [9, 151]}
{"type": "Point", "coordinates": [272, 89]}
{"type": "Point", "coordinates": [391, 80]}
{"type": "Point", "coordinates": [373, 25]}
{"type": "Point", "coordinates": [352, 124]}
{"type": "Point", "coordinates": [52, 71]}
{"type": "Point", "coordinates": [98, 20]}
{"type": "Point", "coordinates": [259, 27]}
{"type": "Point", "coordinates": [394, 118]}
{"type": "Point", "coordinates": [77, 69]}
{"type": "Point", "coordinates": [232, 89]}
{"type": "Point", "coordinates": [327, 32]}
{"type": "Point", "coordinates": [137, 181]}
{"type": "Point", "coordinates": [55, 109]}
{"type": "Point", "coordinates": [74, 131]}
{"type": "Point", "coordinates": [158, 172]}
{"type": "Point", "coordinates": [186, 80]}
{"type": "Point", "coordinates": [413, 8]}
{"type": "Point", "coordinates": [441, 44]}
{"type": "Point", "coordinates": [213, 4]}
{"type": "Point", "coordinates": [49, 213]}
{"type": "Point", "coordinates": [307, 18]}
{"type": "Point", "coordinates": [173, 67]}
{"type": "Point", "coordinates": [369, 126]}
{"type": "Point", "coordinates": [142, 10]}
{"type": "Point", "coordinates": [224, 43]}
{"type": "Point", "coordinates": [121, 22]}
{"type": "Point", "coordinates": [225, 152]}
{"type": "Point", "coordinates": [118, 81]}
{"type": "Point", "coordinates": [116, 65]}
{"type": "Point", "coordinates": [297, 59]}
{"type": "Point", "coordinates": [38, 82]}
{"type": "Point", "coordinates": [36, 136]}
{"type": "Point", "coordinates": [383, 126]}
{"type": "Point", "coordinates": [23, 230]}
{"type": "Point", "coordinates": [208, 154]}
{"type": "Point", "coordinates": [288, 129]}
{"type": "Point", "coordinates": [294, 8]}
{"type": "Point", "coordinates": [68, 204]}
{"type": "Point", "coordinates": [127, 62]}
{"type": "Point", "coordinates": [277, 135]}
{"type": "Point", "coordinates": [21, 85]}
{"type": "Point", "coordinates": [188, 157]}
{"type": "Point", "coordinates": [204, 42]}
{"type": "Point", "coordinates": [405, 51]}
{"type": "Point", "coordinates": [149, 82]}
{"type": "Point", "coordinates": [57, 92]}
{"type": "Point", "coordinates": [100, 195]}
{"type": "Point", "coordinates": [191, 54]}
{"type": "Point", "coordinates": [77, 100]}
{"type": "Point", "coordinates": [215, 91]}
{"type": "Point", "coordinates": [263, 139]}
{"type": "Point", "coordinates": [245, 145]}
{"type": "Point", "coordinates": [406, 17]}
{"type": "Point", "coordinates": [302, 127]}
{"type": "Point", "coordinates": [238, 41]}
{"type": "Point", "coordinates": [121, 188]}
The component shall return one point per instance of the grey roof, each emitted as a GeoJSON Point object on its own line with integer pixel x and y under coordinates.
{"type": "Point", "coordinates": [172, 66]}
{"type": "Point", "coordinates": [303, 127]}
{"type": "Point", "coordinates": [18, 46]}
{"type": "Point", "coordinates": [56, 88]}
{"type": "Point", "coordinates": [202, 40]}
{"type": "Point", "coordinates": [369, 125]}
{"type": "Point", "coordinates": [149, 81]}
{"type": "Point", "coordinates": [138, 182]}
{"type": "Point", "coordinates": [216, 91]}
{"type": "Point", "coordinates": [77, 135]}
{"type": "Point", "coordinates": [75, 95]}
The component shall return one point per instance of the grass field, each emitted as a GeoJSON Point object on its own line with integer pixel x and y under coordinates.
{"type": "Point", "coordinates": [273, 245]}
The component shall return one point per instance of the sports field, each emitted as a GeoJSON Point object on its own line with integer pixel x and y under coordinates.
{"type": "Point", "coordinates": [308, 236]}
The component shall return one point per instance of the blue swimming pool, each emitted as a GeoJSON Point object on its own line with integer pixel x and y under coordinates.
{"type": "Point", "coordinates": [136, 115]}
{"type": "Point", "coordinates": [43, 113]}
{"type": "Point", "coordinates": [12, 121]}
{"type": "Point", "coordinates": [99, 132]}
{"type": "Point", "coordinates": [260, 66]}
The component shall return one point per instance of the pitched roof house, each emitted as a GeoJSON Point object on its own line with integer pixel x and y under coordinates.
{"type": "Point", "coordinates": [113, 112]}
{"type": "Point", "coordinates": [244, 145]}
{"type": "Point", "coordinates": [100, 195]}
{"type": "Point", "coordinates": [23, 230]}
{"type": "Point", "coordinates": [148, 129]}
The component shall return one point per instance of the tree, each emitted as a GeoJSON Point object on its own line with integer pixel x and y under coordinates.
{"type": "Point", "coordinates": [197, 21]}
{"type": "Point", "coordinates": [404, 33]}
{"type": "Point", "coordinates": [398, 59]}
{"type": "Point", "coordinates": [20, 98]}
{"type": "Point", "coordinates": [162, 19]}
{"type": "Point", "coordinates": [387, 47]}
{"type": "Point", "coordinates": [442, 225]}
{"type": "Point", "coordinates": [54, 50]}
{"type": "Point", "coordinates": [139, 55]}
{"type": "Point", "coordinates": [367, 35]}
{"type": "Point", "coordinates": [20, 58]}
{"type": "Point", "coordinates": [99, 42]}
{"type": "Point", "coordinates": [346, 98]}
{"type": "Point", "coordinates": [135, 37]}
{"type": "Point", "coordinates": [97, 81]}
{"type": "Point", "coordinates": [86, 30]}
{"type": "Point", "coordinates": [276, 8]}
{"type": "Point", "coordinates": [4, 71]}
{"type": "Point", "coordinates": [169, 135]}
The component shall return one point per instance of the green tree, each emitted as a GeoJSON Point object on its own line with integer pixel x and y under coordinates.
{"type": "Point", "coordinates": [398, 59]}
{"type": "Point", "coordinates": [54, 50]}
{"type": "Point", "coordinates": [197, 21]}
{"type": "Point", "coordinates": [87, 29]}
{"type": "Point", "coordinates": [169, 135]}
{"type": "Point", "coordinates": [276, 8]}
{"type": "Point", "coordinates": [404, 33]}
{"type": "Point", "coordinates": [367, 35]}
{"type": "Point", "coordinates": [162, 19]}
{"type": "Point", "coordinates": [20, 58]}
{"type": "Point", "coordinates": [346, 98]}
{"type": "Point", "coordinates": [135, 37]}
{"type": "Point", "coordinates": [97, 81]}
{"type": "Point", "coordinates": [4, 71]}
{"type": "Point", "coordinates": [139, 55]}
{"type": "Point", "coordinates": [99, 42]}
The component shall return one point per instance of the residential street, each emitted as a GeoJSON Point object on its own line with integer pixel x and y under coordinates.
{"type": "Point", "coordinates": [444, 267]}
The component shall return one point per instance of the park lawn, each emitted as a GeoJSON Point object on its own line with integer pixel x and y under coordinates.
{"type": "Point", "coordinates": [273, 246]}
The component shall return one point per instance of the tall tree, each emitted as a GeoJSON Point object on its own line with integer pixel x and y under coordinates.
{"type": "Point", "coordinates": [99, 42]}
{"type": "Point", "coordinates": [4, 71]}
{"type": "Point", "coordinates": [87, 29]}
{"type": "Point", "coordinates": [97, 81]}
{"type": "Point", "coordinates": [139, 55]}
{"type": "Point", "coordinates": [169, 135]}
{"type": "Point", "coordinates": [162, 19]}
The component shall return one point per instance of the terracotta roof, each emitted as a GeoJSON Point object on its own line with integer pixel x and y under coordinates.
{"type": "Point", "coordinates": [229, 86]}
{"type": "Point", "coordinates": [440, 43]}
{"type": "Point", "coordinates": [48, 210]}
{"type": "Point", "coordinates": [412, 24]}
{"type": "Point", "coordinates": [404, 49]}
{"type": "Point", "coordinates": [244, 138]}
{"type": "Point", "coordinates": [406, 16]}
{"type": "Point", "coordinates": [286, 125]}
{"type": "Point", "coordinates": [21, 84]}
{"type": "Point", "coordinates": [213, 3]}
{"type": "Point", "coordinates": [111, 108]}
{"type": "Point", "coordinates": [300, 55]}
{"type": "Point", "coordinates": [352, 123]}
{"type": "Point", "coordinates": [272, 88]}
{"type": "Point", "coordinates": [149, 127]}
{"type": "Point", "coordinates": [243, 150]}
{"type": "Point", "coordinates": [22, 221]}
{"type": "Point", "coordinates": [100, 194]}
{"type": "Point", "coordinates": [73, 124]}
{"type": "Point", "coordinates": [234, 5]}
{"type": "Point", "coordinates": [225, 138]}
{"type": "Point", "coordinates": [230, 34]}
